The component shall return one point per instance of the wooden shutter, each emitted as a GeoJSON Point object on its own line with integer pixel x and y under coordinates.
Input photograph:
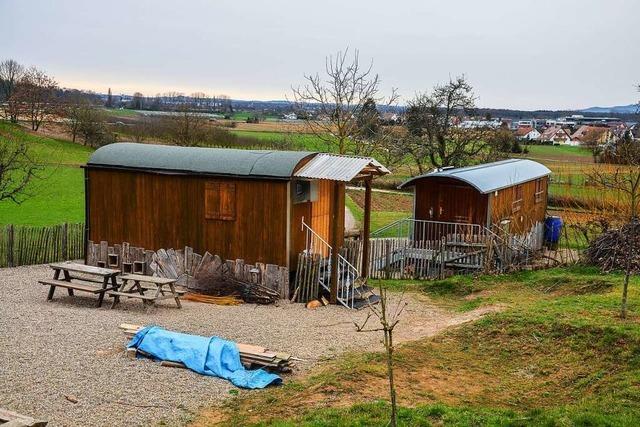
{"type": "Point", "coordinates": [220, 201]}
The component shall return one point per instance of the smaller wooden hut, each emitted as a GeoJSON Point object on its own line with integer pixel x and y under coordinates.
{"type": "Point", "coordinates": [510, 194]}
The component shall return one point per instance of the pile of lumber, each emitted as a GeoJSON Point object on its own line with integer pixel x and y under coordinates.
{"type": "Point", "coordinates": [209, 299]}
{"type": "Point", "coordinates": [615, 247]}
{"type": "Point", "coordinates": [251, 356]}
{"type": "Point", "coordinates": [223, 284]}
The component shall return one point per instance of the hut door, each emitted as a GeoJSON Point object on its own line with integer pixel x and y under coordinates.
{"type": "Point", "coordinates": [455, 204]}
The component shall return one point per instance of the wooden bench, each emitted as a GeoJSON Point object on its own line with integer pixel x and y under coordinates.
{"type": "Point", "coordinates": [105, 277]}
{"type": "Point", "coordinates": [139, 286]}
{"type": "Point", "coordinates": [72, 285]}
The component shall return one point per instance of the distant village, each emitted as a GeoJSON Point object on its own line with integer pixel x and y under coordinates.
{"type": "Point", "coordinates": [573, 130]}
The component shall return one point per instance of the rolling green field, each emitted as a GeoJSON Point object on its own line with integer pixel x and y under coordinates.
{"type": "Point", "coordinates": [301, 141]}
{"type": "Point", "coordinates": [553, 353]}
{"type": "Point", "coordinates": [556, 151]}
{"type": "Point", "coordinates": [57, 195]}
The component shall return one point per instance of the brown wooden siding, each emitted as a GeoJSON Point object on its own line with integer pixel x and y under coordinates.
{"type": "Point", "coordinates": [449, 200]}
{"type": "Point", "coordinates": [524, 214]}
{"type": "Point", "coordinates": [156, 211]}
{"type": "Point", "coordinates": [317, 215]}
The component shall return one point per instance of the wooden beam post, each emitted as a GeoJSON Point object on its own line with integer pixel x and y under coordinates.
{"type": "Point", "coordinates": [335, 247]}
{"type": "Point", "coordinates": [364, 270]}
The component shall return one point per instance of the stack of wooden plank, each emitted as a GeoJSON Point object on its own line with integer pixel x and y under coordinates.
{"type": "Point", "coordinates": [251, 356]}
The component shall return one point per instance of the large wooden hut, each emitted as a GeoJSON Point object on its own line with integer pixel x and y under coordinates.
{"type": "Point", "coordinates": [511, 194]}
{"type": "Point", "coordinates": [259, 206]}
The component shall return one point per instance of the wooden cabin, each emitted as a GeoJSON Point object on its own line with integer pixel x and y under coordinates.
{"type": "Point", "coordinates": [510, 194]}
{"type": "Point", "coordinates": [238, 204]}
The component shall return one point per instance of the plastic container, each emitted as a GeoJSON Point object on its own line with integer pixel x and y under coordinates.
{"type": "Point", "coordinates": [552, 229]}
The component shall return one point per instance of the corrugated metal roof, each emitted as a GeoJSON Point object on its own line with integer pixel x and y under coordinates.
{"type": "Point", "coordinates": [215, 161]}
{"type": "Point", "coordinates": [491, 176]}
{"type": "Point", "coordinates": [339, 168]}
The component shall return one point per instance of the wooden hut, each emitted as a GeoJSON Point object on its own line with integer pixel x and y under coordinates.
{"type": "Point", "coordinates": [510, 194]}
{"type": "Point", "coordinates": [259, 206]}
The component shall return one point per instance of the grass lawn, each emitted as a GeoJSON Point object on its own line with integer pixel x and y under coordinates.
{"type": "Point", "coordinates": [57, 196]}
{"type": "Point", "coordinates": [560, 152]}
{"type": "Point", "coordinates": [301, 141]}
{"type": "Point", "coordinates": [557, 354]}
{"type": "Point", "coordinates": [378, 218]}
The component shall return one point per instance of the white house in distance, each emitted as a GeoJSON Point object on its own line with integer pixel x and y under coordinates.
{"type": "Point", "coordinates": [557, 136]}
{"type": "Point", "coordinates": [528, 133]}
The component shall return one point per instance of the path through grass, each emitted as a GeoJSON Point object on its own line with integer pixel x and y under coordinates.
{"type": "Point", "coordinates": [557, 354]}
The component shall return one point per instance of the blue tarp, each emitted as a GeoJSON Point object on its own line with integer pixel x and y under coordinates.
{"type": "Point", "coordinates": [207, 356]}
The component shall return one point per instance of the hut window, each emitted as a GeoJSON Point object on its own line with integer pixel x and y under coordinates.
{"type": "Point", "coordinates": [539, 195]}
{"type": "Point", "coordinates": [220, 201]}
{"type": "Point", "coordinates": [517, 198]}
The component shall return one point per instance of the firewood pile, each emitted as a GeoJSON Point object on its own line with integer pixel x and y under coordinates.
{"type": "Point", "coordinates": [251, 356]}
{"type": "Point", "coordinates": [611, 250]}
{"type": "Point", "coordinates": [221, 283]}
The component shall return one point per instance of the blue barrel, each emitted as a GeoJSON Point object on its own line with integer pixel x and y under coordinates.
{"type": "Point", "coordinates": [552, 229]}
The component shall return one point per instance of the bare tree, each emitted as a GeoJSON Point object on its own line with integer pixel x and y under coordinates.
{"type": "Point", "coordinates": [17, 169]}
{"type": "Point", "coordinates": [34, 97]}
{"type": "Point", "coordinates": [338, 98]}
{"type": "Point", "coordinates": [137, 102]}
{"type": "Point", "coordinates": [92, 127]}
{"type": "Point", "coordinates": [186, 127]}
{"type": "Point", "coordinates": [11, 73]}
{"type": "Point", "coordinates": [73, 110]}
{"type": "Point", "coordinates": [624, 180]}
{"type": "Point", "coordinates": [388, 319]}
{"type": "Point", "coordinates": [432, 120]}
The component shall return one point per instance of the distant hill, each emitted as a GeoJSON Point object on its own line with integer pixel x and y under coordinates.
{"type": "Point", "coordinates": [618, 109]}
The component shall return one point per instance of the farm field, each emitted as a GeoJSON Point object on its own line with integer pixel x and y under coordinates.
{"type": "Point", "coordinates": [60, 193]}
{"type": "Point", "coordinates": [298, 141]}
{"type": "Point", "coordinates": [57, 196]}
{"type": "Point", "coordinates": [553, 352]}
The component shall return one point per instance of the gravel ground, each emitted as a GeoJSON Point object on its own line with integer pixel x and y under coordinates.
{"type": "Point", "coordinates": [67, 349]}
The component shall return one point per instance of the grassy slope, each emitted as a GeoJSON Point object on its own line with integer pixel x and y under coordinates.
{"type": "Point", "coordinates": [556, 355]}
{"type": "Point", "coordinates": [378, 218]}
{"type": "Point", "coordinates": [58, 196]}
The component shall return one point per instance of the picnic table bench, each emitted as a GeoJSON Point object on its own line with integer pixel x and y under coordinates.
{"type": "Point", "coordinates": [96, 276]}
{"type": "Point", "coordinates": [149, 289]}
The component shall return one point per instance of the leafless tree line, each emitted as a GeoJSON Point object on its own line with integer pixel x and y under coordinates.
{"type": "Point", "coordinates": [346, 98]}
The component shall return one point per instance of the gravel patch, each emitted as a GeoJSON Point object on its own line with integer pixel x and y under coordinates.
{"type": "Point", "coordinates": [54, 353]}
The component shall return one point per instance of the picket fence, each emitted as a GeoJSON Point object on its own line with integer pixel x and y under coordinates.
{"type": "Point", "coordinates": [26, 245]}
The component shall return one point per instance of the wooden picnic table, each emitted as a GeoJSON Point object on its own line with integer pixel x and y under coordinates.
{"type": "Point", "coordinates": [98, 281]}
{"type": "Point", "coordinates": [149, 289]}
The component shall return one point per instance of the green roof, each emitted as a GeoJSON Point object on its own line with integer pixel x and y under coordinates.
{"type": "Point", "coordinates": [195, 160]}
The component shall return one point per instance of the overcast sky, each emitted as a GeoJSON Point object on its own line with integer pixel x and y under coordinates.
{"type": "Point", "coordinates": [525, 54]}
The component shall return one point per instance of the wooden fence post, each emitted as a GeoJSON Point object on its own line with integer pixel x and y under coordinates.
{"type": "Point", "coordinates": [65, 244]}
{"type": "Point", "coordinates": [10, 243]}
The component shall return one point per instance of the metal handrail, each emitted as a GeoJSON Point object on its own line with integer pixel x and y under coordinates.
{"type": "Point", "coordinates": [346, 282]}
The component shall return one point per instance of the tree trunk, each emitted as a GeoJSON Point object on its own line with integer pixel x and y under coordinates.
{"type": "Point", "coordinates": [392, 388]}
{"type": "Point", "coordinates": [625, 287]}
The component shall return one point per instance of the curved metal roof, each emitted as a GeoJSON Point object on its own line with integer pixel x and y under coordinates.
{"type": "Point", "coordinates": [490, 177]}
{"type": "Point", "coordinates": [214, 161]}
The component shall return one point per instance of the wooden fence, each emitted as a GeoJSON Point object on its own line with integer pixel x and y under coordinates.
{"type": "Point", "coordinates": [193, 271]}
{"type": "Point", "coordinates": [25, 245]}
